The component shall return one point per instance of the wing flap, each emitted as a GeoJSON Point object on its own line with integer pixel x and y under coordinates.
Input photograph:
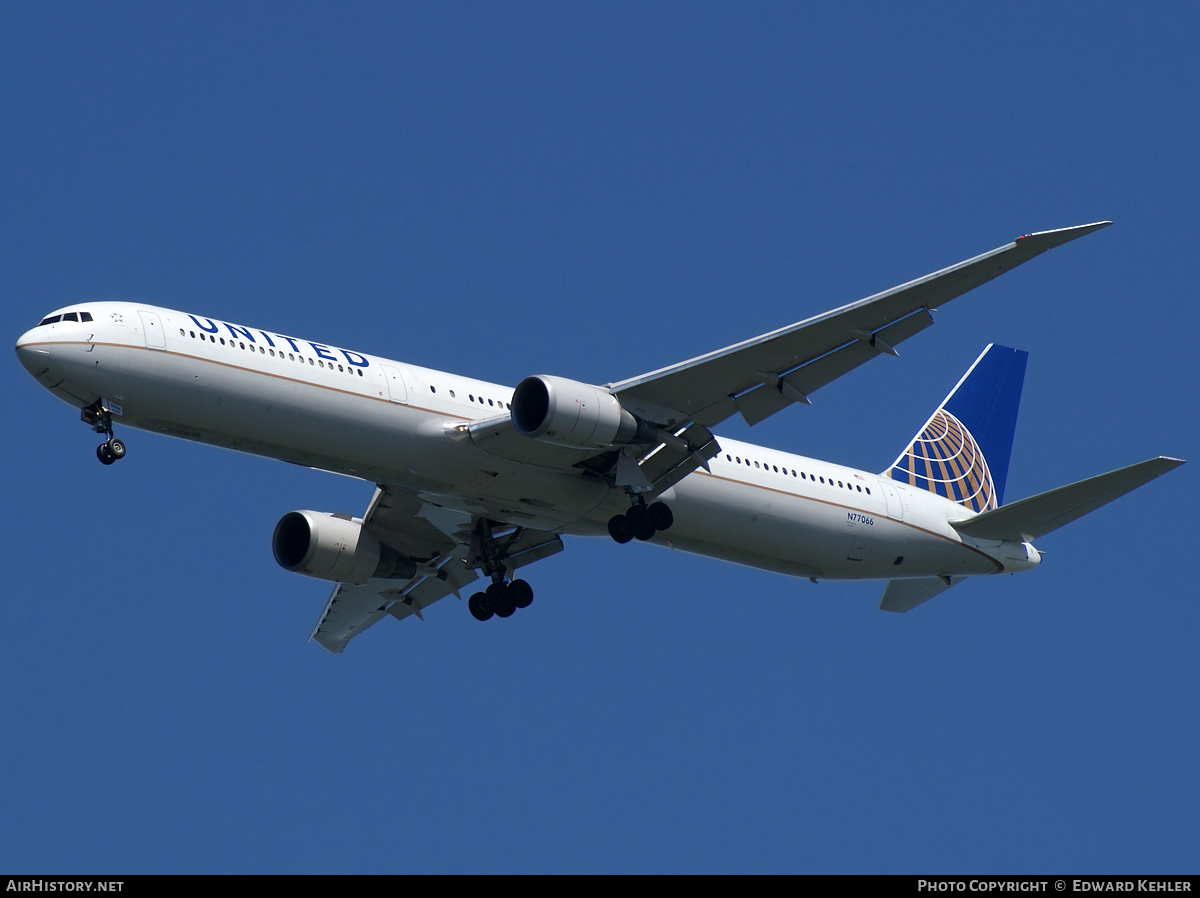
{"type": "Point", "coordinates": [351, 609]}
{"type": "Point", "coordinates": [693, 447]}
{"type": "Point", "coordinates": [450, 578]}
{"type": "Point", "coordinates": [796, 386]}
{"type": "Point", "coordinates": [1038, 515]}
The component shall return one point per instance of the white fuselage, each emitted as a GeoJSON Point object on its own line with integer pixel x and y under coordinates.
{"type": "Point", "coordinates": [385, 421]}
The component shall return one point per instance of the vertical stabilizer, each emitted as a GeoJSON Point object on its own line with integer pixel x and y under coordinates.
{"type": "Point", "coordinates": [963, 450]}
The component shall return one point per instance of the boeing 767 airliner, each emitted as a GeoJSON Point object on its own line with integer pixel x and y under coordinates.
{"type": "Point", "coordinates": [477, 479]}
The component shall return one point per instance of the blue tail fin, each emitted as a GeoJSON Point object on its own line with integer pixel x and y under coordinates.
{"type": "Point", "coordinates": [962, 452]}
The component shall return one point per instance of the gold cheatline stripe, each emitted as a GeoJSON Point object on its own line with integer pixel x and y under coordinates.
{"type": "Point", "coordinates": [200, 358]}
{"type": "Point", "coordinates": [443, 414]}
{"type": "Point", "coordinates": [853, 508]}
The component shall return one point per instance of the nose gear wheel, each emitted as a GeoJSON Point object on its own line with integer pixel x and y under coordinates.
{"type": "Point", "coordinates": [100, 418]}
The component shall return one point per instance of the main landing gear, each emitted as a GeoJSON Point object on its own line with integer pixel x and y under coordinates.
{"type": "Point", "coordinates": [501, 599]}
{"type": "Point", "coordinates": [640, 522]}
{"type": "Point", "coordinates": [100, 418]}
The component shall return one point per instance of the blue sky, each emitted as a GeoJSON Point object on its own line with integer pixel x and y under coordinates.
{"type": "Point", "coordinates": [595, 191]}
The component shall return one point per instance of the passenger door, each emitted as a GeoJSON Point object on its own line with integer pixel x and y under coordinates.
{"type": "Point", "coordinates": [153, 330]}
{"type": "Point", "coordinates": [894, 507]}
{"type": "Point", "coordinates": [397, 391]}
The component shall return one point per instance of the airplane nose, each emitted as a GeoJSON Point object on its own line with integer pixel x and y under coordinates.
{"type": "Point", "coordinates": [33, 350]}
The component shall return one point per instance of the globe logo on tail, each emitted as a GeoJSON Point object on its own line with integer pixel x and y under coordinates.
{"type": "Point", "coordinates": [945, 459]}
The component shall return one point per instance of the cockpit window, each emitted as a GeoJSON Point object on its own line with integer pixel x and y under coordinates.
{"type": "Point", "coordinates": [85, 316]}
{"type": "Point", "coordinates": [70, 316]}
{"type": "Point", "coordinates": [53, 319]}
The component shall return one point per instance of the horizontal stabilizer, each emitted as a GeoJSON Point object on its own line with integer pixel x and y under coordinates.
{"type": "Point", "coordinates": [904, 595]}
{"type": "Point", "coordinates": [1038, 515]}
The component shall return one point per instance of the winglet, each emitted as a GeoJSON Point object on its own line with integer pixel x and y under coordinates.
{"type": "Point", "coordinates": [1044, 240]}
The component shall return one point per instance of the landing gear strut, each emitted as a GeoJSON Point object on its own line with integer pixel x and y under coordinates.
{"type": "Point", "coordinates": [641, 521]}
{"type": "Point", "coordinates": [503, 597]}
{"type": "Point", "coordinates": [100, 418]}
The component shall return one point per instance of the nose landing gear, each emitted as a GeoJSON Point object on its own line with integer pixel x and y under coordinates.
{"type": "Point", "coordinates": [110, 451]}
{"type": "Point", "coordinates": [100, 417]}
{"type": "Point", "coordinates": [640, 522]}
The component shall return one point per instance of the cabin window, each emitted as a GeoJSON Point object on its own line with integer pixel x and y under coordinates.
{"type": "Point", "coordinates": [310, 361]}
{"type": "Point", "coordinates": [261, 351]}
{"type": "Point", "coordinates": [451, 394]}
{"type": "Point", "coordinates": [243, 345]}
{"type": "Point", "coordinates": [85, 316]}
{"type": "Point", "coordinates": [775, 468]}
{"type": "Point", "coordinates": [860, 489]}
{"type": "Point", "coordinates": [822, 479]}
{"type": "Point", "coordinates": [756, 464]}
{"type": "Point", "coordinates": [360, 372]}
{"type": "Point", "coordinates": [70, 316]}
{"type": "Point", "coordinates": [193, 333]}
{"type": "Point", "coordinates": [868, 491]}
{"type": "Point", "coordinates": [272, 351]}
{"type": "Point", "coordinates": [291, 357]}
{"type": "Point", "coordinates": [181, 333]}
{"type": "Point", "coordinates": [340, 368]}
{"type": "Point", "coordinates": [490, 402]}
{"type": "Point", "coordinates": [471, 396]}
{"type": "Point", "coordinates": [727, 458]}
{"type": "Point", "coordinates": [222, 341]}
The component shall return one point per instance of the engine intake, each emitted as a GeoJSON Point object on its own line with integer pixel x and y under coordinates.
{"type": "Point", "coordinates": [337, 548]}
{"type": "Point", "coordinates": [569, 413]}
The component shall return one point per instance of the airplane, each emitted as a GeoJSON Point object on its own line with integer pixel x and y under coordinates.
{"type": "Point", "coordinates": [477, 480]}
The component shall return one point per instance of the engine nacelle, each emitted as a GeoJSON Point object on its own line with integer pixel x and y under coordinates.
{"type": "Point", "coordinates": [569, 413]}
{"type": "Point", "coordinates": [335, 547]}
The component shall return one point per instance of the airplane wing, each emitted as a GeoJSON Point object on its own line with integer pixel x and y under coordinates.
{"type": "Point", "coordinates": [446, 545]}
{"type": "Point", "coordinates": [761, 376]}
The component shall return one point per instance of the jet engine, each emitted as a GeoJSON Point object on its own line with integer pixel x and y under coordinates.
{"type": "Point", "coordinates": [568, 413]}
{"type": "Point", "coordinates": [335, 547]}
